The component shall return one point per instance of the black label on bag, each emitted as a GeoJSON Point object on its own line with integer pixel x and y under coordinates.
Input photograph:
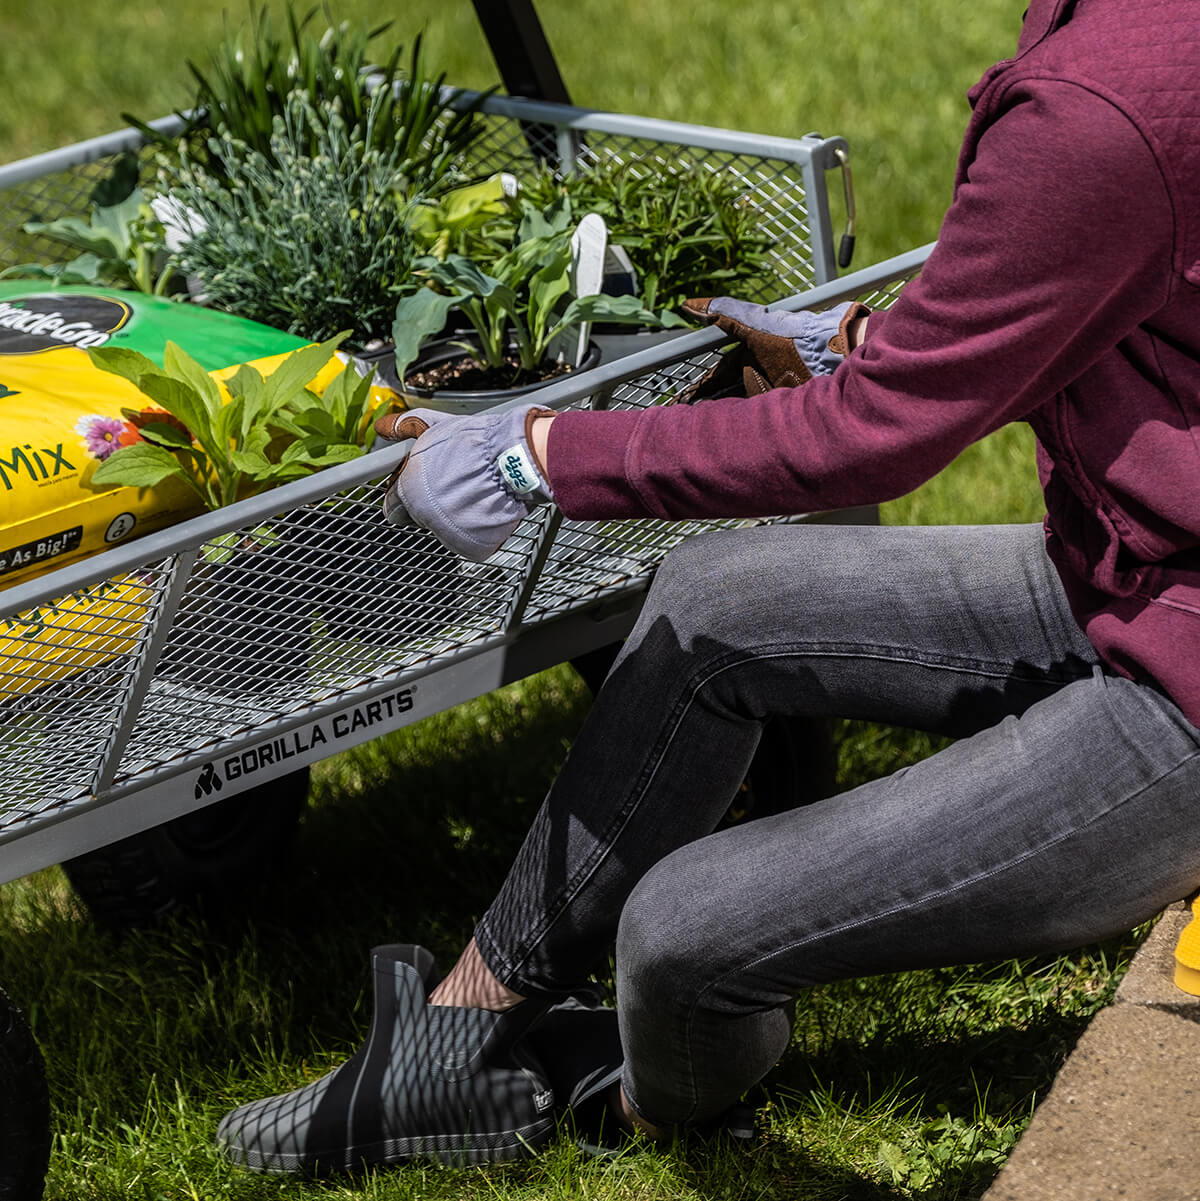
{"type": "Point", "coordinates": [31, 324]}
{"type": "Point", "coordinates": [49, 547]}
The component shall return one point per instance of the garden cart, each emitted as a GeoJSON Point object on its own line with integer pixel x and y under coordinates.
{"type": "Point", "coordinates": [268, 636]}
{"type": "Point", "coordinates": [161, 702]}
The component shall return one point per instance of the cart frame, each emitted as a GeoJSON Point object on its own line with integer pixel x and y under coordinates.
{"type": "Point", "coordinates": [524, 638]}
{"type": "Point", "coordinates": [131, 725]}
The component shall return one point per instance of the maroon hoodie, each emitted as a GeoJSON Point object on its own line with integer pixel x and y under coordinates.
{"type": "Point", "coordinates": [1064, 291]}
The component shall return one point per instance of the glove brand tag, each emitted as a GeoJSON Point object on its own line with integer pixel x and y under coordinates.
{"type": "Point", "coordinates": [519, 474]}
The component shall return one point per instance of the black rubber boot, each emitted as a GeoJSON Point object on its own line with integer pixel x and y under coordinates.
{"type": "Point", "coordinates": [580, 1044]}
{"type": "Point", "coordinates": [431, 1081]}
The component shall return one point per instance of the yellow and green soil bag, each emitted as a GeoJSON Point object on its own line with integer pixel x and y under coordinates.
{"type": "Point", "coordinates": [59, 640]}
{"type": "Point", "coordinates": [60, 416]}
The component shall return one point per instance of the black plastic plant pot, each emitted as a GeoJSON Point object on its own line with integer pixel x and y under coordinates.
{"type": "Point", "coordinates": [446, 400]}
{"type": "Point", "coordinates": [617, 341]}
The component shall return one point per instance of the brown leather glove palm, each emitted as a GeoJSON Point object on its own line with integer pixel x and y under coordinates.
{"type": "Point", "coordinates": [776, 349]}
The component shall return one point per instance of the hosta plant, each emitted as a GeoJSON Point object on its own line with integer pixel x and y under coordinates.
{"type": "Point", "coordinates": [121, 245]}
{"type": "Point", "coordinates": [518, 306]}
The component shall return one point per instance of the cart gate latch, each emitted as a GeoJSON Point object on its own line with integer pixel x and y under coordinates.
{"type": "Point", "coordinates": [846, 246]}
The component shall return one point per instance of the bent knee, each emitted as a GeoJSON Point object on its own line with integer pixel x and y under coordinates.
{"type": "Point", "coordinates": [669, 937]}
{"type": "Point", "coordinates": [688, 584]}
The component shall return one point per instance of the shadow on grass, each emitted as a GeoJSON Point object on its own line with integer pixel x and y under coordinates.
{"type": "Point", "coordinates": [407, 839]}
{"type": "Point", "coordinates": [1008, 1066]}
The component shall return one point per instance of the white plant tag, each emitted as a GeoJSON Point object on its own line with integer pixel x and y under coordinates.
{"type": "Point", "coordinates": [589, 243]}
{"type": "Point", "coordinates": [620, 277]}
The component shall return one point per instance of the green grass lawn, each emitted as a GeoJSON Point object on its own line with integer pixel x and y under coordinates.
{"type": "Point", "coordinates": [915, 1084]}
{"type": "Point", "coordinates": [910, 1085]}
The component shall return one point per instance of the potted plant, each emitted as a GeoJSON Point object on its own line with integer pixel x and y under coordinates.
{"type": "Point", "coordinates": [308, 243]}
{"type": "Point", "coordinates": [288, 194]}
{"type": "Point", "coordinates": [525, 311]}
{"type": "Point", "coordinates": [120, 245]}
{"type": "Point", "coordinates": [250, 76]}
{"type": "Point", "coordinates": [257, 589]}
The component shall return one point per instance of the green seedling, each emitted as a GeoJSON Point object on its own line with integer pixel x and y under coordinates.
{"type": "Point", "coordinates": [272, 429]}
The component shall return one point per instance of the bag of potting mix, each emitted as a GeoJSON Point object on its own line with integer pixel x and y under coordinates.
{"type": "Point", "coordinates": [60, 417]}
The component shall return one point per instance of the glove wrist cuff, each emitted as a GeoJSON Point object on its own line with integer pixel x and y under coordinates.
{"type": "Point", "coordinates": [517, 465]}
{"type": "Point", "coordinates": [841, 342]}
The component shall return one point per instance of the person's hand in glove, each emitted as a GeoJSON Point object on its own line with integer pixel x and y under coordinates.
{"type": "Point", "coordinates": [777, 349]}
{"type": "Point", "coordinates": [469, 480]}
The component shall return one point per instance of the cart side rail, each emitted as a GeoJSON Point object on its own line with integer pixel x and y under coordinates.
{"type": "Point", "coordinates": [581, 391]}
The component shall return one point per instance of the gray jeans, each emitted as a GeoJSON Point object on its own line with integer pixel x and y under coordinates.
{"type": "Point", "coordinates": [1067, 811]}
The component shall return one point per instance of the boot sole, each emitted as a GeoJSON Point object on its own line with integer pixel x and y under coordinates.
{"type": "Point", "coordinates": [455, 1150]}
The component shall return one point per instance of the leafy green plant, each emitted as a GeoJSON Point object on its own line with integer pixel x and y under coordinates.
{"type": "Point", "coordinates": [122, 246]}
{"type": "Point", "coordinates": [311, 243]}
{"type": "Point", "coordinates": [688, 230]}
{"type": "Point", "coordinates": [947, 1148]}
{"type": "Point", "coordinates": [407, 116]}
{"type": "Point", "coordinates": [519, 306]}
{"type": "Point", "coordinates": [272, 428]}
{"type": "Point", "coordinates": [463, 221]}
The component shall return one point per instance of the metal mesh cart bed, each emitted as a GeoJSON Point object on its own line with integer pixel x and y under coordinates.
{"type": "Point", "coordinates": [193, 664]}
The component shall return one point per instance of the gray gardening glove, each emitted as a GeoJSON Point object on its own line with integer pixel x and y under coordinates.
{"type": "Point", "coordinates": [469, 480]}
{"type": "Point", "coordinates": [778, 350]}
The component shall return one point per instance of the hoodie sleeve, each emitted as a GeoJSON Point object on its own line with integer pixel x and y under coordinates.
{"type": "Point", "coordinates": [1057, 245]}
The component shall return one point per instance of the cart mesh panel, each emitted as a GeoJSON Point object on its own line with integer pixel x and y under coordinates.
{"type": "Point", "coordinates": [67, 674]}
{"type": "Point", "coordinates": [301, 610]}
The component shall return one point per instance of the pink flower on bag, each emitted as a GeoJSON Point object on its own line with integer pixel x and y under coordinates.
{"type": "Point", "coordinates": [102, 435]}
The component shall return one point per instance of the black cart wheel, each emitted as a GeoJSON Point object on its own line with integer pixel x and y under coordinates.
{"type": "Point", "coordinates": [24, 1109]}
{"type": "Point", "coordinates": [209, 859]}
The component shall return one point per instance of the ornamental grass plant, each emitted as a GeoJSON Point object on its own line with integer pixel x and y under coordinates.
{"type": "Point", "coordinates": [398, 109]}
{"type": "Point", "coordinates": [688, 231]}
{"type": "Point", "coordinates": [312, 243]}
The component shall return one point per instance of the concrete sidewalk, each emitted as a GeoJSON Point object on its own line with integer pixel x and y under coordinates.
{"type": "Point", "coordinates": [1123, 1116]}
